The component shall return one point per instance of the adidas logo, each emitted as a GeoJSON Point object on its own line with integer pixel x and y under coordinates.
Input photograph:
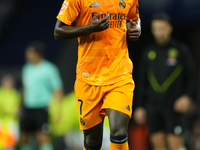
{"type": "Point", "coordinates": [94, 5]}
{"type": "Point", "coordinates": [127, 107]}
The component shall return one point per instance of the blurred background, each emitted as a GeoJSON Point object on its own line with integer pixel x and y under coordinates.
{"type": "Point", "coordinates": [23, 21]}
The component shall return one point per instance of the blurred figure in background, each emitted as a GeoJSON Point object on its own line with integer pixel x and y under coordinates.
{"type": "Point", "coordinates": [195, 140]}
{"type": "Point", "coordinates": [41, 83]}
{"type": "Point", "coordinates": [9, 106]}
{"type": "Point", "coordinates": [165, 86]}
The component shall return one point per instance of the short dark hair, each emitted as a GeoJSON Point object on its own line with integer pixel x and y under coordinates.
{"type": "Point", "coordinates": [161, 16]}
{"type": "Point", "coordinates": [39, 47]}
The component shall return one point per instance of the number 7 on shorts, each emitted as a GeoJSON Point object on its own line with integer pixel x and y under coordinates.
{"type": "Point", "coordinates": [80, 106]}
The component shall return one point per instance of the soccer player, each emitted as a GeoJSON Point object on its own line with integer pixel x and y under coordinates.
{"type": "Point", "coordinates": [104, 84]}
{"type": "Point", "coordinates": [165, 86]}
{"type": "Point", "coordinates": [41, 83]}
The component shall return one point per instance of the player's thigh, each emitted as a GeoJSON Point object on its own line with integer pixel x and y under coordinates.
{"type": "Point", "coordinates": [93, 136]}
{"type": "Point", "coordinates": [175, 141]}
{"type": "Point", "coordinates": [158, 140]}
{"type": "Point", "coordinates": [118, 106]}
{"type": "Point", "coordinates": [89, 102]}
{"type": "Point", "coordinates": [118, 122]}
{"type": "Point", "coordinates": [119, 97]}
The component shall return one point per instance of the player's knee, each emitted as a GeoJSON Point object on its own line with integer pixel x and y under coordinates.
{"type": "Point", "coordinates": [118, 130]}
{"type": "Point", "coordinates": [93, 136]}
{"type": "Point", "coordinates": [93, 141]}
{"type": "Point", "coordinates": [118, 122]}
{"type": "Point", "coordinates": [92, 145]}
{"type": "Point", "coordinates": [119, 139]}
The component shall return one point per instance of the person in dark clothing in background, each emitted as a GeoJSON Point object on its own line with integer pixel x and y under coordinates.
{"type": "Point", "coordinates": [195, 139]}
{"type": "Point", "coordinates": [165, 86]}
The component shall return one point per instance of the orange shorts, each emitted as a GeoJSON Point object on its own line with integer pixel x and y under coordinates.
{"type": "Point", "coordinates": [92, 101]}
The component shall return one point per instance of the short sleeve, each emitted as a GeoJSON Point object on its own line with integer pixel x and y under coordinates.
{"type": "Point", "coordinates": [69, 11]}
{"type": "Point", "coordinates": [55, 78]}
{"type": "Point", "coordinates": [134, 11]}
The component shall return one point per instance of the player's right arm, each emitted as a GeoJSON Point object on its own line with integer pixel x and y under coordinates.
{"type": "Point", "coordinates": [63, 31]}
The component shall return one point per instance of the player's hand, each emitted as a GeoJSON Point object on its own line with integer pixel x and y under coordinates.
{"type": "Point", "coordinates": [133, 32]}
{"type": "Point", "coordinates": [183, 104]}
{"type": "Point", "coordinates": [99, 25]}
{"type": "Point", "coordinates": [140, 115]}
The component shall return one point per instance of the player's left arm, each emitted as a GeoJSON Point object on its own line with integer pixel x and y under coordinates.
{"type": "Point", "coordinates": [134, 22]}
{"type": "Point", "coordinates": [134, 29]}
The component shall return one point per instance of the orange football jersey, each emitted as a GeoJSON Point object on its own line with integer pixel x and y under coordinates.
{"type": "Point", "coordinates": [102, 56]}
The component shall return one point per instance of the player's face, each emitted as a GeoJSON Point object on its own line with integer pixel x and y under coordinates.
{"type": "Point", "coordinates": [161, 31]}
{"type": "Point", "coordinates": [31, 55]}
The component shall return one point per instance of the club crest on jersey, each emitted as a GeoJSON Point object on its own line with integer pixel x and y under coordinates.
{"type": "Point", "coordinates": [172, 57]}
{"type": "Point", "coordinates": [122, 4]}
{"type": "Point", "coordinates": [82, 121]}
